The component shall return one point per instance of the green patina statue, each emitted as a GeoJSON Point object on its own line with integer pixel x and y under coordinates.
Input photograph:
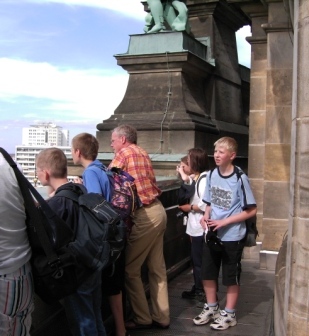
{"type": "Point", "coordinates": [174, 12]}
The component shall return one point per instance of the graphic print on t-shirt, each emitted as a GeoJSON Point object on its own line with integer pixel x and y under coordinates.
{"type": "Point", "coordinates": [221, 198]}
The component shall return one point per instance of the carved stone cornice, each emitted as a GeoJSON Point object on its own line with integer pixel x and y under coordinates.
{"type": "Point", "coordinates": [222, 11]}
{"type": "Point", "coordinates": [277, 27]}
{"type": "Point", "coordinates": [256, 40]}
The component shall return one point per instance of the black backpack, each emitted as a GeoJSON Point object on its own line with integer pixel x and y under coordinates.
{"type": "Point", "coordinates": [107, 236]}
{"type": "Point", "coordinates": [251, 227]}
{"type": "Point", "coordinates": [61, 259]}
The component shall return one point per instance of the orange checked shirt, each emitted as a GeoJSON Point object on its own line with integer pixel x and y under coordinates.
{"type": "Point", "coordinates": [134, 160]}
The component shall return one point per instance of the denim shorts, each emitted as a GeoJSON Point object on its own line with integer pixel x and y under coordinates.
{"type": "Point", "coordinates": [229, 257]}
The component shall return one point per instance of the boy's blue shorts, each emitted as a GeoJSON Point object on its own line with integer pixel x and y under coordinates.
{"type": "Point", "coordinates": [229, 257]}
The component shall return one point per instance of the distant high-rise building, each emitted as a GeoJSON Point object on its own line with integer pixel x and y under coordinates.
{"type": "Point", "coordinates": [34, 139]}
{"type": "Point", "coordinates": [45, 134]}
{"type": "Point", "coordinates": [25, 156]}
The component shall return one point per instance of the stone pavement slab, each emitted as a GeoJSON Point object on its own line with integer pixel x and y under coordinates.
{"type": "Point", "coordinates": [254, 309]}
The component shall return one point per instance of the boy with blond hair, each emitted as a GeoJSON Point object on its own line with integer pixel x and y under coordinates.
{"type": "Point", "coordinates": [83, 308]}
{"type": "Point", "coordinates": [229, 203]}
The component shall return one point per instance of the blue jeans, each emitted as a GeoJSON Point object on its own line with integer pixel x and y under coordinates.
{"type": "Point", "coordinates": [83, 308]}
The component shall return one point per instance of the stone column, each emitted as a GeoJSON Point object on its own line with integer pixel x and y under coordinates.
{"type": "Point", "coordinates": [215, 23]}
{"type": "Point", "coordinates": [296, 313]}
{"type": "Point", "coordinates": [270, 115]}
{"type": "Point", "coordinates": [278, 125]}
{"type": "Point", "coordinates": [257, 116]}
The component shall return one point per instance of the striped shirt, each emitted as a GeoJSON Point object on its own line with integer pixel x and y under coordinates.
{"type": "Point", "coordinates": [135, 160]}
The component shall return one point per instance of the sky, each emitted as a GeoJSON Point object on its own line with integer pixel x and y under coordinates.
{"type": "Point", "coordinates": [57, 62]}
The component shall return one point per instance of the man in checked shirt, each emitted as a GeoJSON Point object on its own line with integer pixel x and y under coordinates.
{"type": "Point", "coordinates": [146, 239]}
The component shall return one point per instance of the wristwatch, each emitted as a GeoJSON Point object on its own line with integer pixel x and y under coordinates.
{"type": "Point", "coordinates": [192, 207]}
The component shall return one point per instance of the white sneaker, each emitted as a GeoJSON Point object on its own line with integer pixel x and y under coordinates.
{"type": "Point", "coordinates": [207, 314]}
{"type": "Point", "coordinates": [224, 321]}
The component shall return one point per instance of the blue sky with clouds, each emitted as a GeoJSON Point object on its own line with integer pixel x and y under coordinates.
{"type": "Point", "coordinates": [57, 63]}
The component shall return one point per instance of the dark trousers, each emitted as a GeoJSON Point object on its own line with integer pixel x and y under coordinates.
{"type": "Point", "coordinates": [196, 258]}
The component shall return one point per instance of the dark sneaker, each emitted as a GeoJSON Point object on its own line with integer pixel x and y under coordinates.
{"type": "Point", "coordinates": [201, 301]}
{"type": "Point", "coordinates": [192, 294]}
{"type": "Point", "coordinates": [159, 325]}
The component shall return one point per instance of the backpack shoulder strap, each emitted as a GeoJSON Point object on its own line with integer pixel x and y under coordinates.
{"type": "Point", "coordinates": [72, 194]}
{"type": "Point", "coordinates": [239, 172]}
{"type": "Point", "coordinates": [198, 183]}
{"type": "Point", "coordinates": [210, 173]}
{"type": "Point", "coordinates": [26, 187]}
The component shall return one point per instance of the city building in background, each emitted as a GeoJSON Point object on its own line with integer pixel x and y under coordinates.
{"type": "Point", "coordinates": [25, 157]}
{"type": "Point", "coordinates": [36, 138]}
{"type": "Point", "coordinates": [45, 134]}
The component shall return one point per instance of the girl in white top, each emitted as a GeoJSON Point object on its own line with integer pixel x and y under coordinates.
{"type": "Point", "coordinates": [198, 163]}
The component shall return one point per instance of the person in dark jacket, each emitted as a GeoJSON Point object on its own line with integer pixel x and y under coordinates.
{"type": "Point", "coordinates": [83, 308]}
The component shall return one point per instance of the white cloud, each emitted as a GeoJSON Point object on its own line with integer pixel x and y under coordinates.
{"type": "Point", "coordinates": [132, 8]}
{"type": "Point", "coordinates": [88, 95]}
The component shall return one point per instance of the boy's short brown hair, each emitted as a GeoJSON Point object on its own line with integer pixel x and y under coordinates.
{"type": "Point", "coordinates": [227, 142]}
{"type": "Point", "coordinates": [53, 159]}
{"type": "Point", "coordinates": [87, 144]}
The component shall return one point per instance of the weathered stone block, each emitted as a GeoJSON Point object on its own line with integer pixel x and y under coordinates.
{"type": "Point", "coordinates": [279, 87]}
{"type": "Point", "coordinates": [277, 13]}
{"type": "Point", "coordinates": [257, 120]}
{"type": "Point", "coordinates": [280, 54]}
{"type": "Point", "coordinates": [301, 199]}
{"type": "Point", "coordinates": [276, 200]}
{"type": "Point", "coordinates": [278, 124]}
{"type": "Point", "coordinates": [274, 230]}
{"type": "Point", "coordinates": [256, 162]}
{"type": "Point", "coordinates": [258, 93]}
{"type": "Point", "coordinates": [302, 56]}
{"type": "Point", "coordinates": [277, 162]}
{"type": "Point", "coordinates": [259, 59]}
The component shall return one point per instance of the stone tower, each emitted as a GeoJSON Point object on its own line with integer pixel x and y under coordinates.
{"type": "Point", "coordinates": [185, 90]}
{"type": "Point", "coordinates": [199, 111]}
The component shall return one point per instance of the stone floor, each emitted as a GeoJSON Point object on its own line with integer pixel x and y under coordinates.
{"type": "Point", "coordinates": [254, 310]}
